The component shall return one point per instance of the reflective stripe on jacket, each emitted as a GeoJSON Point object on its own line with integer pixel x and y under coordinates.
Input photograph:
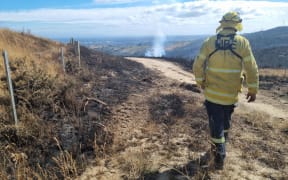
{"type": "Point", "coordinates": [221, 74]}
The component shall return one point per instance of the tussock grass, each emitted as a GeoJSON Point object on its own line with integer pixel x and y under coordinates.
{"type": "Point", "coordinates": [272, 77]}
{"type": "Point", "coordinates": [257, 119]}
{"type": "Point", "coordinates": [66, 163]}
{"type": "Point", "coordinates": [165, 108]}
{"type": "Point", "coordinates": [136, 164]}
{"type": "Point", "coordinates": [49, 105]}
{"type": "Point", "coordinates": [36, 96]}
{"type": "Point", "coordinates": [74, 108]}
{"type": "Point", "coordinates": [273, 72]}
{"type": "Point", "coordinates": [260, 139]}
{"type": "Point", "coordinates": [26, 45]}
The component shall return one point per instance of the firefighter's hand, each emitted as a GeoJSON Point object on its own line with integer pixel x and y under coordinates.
{"type": "Point", "coordinates": [251, 97]}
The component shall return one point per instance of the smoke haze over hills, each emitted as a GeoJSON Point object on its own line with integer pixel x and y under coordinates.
{"type": "Point", "coordinates": [270, 47]}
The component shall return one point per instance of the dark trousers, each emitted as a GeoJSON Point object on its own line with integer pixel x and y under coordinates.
{"type": "Point", "coordinates": [219, 124]}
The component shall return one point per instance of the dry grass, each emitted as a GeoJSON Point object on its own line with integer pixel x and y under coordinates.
{"type": "Point", "coordinates": [257, 119]}
{"type": "Point", "coordinates": [274, 75]}
{"type": "Point", "coordinates": [26, 45]}
{"type": "Point", "coordinates": [164, 108]}
{"type": "Point", "coordinates": [273, 72]}
{"type": "Point", "coordinates": [47, 108]}
{"type": "Point", "coordinates": [36, 95]}
{"type": "Point", "coordinates": [53, 105]}
{"type": "Point", "coordinates": [260, 140]}
{"type": "Point", "coordinates": [136, 164]}
{"type": "Point", "coordinates": [66, 163]}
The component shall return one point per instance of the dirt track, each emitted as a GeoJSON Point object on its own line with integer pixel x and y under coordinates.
{"type": "Point", "coordinates": [168, 69]}
{"type": "Point", "coordinates": [146, 149]}
{"type": "Point", "coordinates": [175, 72]}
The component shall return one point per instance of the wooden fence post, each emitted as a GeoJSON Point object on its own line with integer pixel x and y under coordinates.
{"type": "Point", "coordinates": [78, 44]}
{"type": "Point", "coordinates": [62, 58]}
{"type": "Point", "coordinates": [10, 86]}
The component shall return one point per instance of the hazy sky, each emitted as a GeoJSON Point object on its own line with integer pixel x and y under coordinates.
{"type": "Point", "coordinates": [91, 18]}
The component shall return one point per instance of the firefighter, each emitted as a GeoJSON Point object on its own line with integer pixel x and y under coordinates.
{"type": "Point", "coordinates": [219, 70]}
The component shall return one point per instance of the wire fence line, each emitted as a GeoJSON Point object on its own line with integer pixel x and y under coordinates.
{"type": "Point", "coordinates": [76, 46]}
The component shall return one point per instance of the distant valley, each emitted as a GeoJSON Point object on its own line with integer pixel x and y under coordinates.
{"type": "Point", "coordinates": [184, 47]}
{"type": "Point", "coordinates": [270, 47]}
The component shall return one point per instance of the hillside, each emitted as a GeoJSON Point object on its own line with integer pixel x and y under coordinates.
{"type": "Point", "coordinates": [275, 57]}
{"type": "Point", "coordinates": [61, 116]}
{"type": "Point", "coordinates": [269, 47]}
{"type": "Point", "coordinates": [19, 45]}
{"type": "Point", "coordinates": [116, 118]}
{"type": "Point", "coordinates": [26, 45]}
{"type": "Point", "coordinates": [271, 38]}
{"type": "Point", "coordinates": [186, 50]}
{"type": "Point", "coordinates": [184, 47]}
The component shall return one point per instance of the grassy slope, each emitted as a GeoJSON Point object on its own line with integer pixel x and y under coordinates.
{"type": "Point", "coordinates": [120, 115]}
{"type": "Point", "coordinates": [61, 116]}
{"type": "Point", "coordinates": [19, 45]}
{"type": "Point", "coordinates": [36, 78]}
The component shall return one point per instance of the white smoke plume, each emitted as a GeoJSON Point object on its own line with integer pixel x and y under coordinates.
{"type": "Point", "coordinates": [158, 46]}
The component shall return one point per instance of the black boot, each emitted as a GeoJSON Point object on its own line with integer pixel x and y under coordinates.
{"type": "Point", "coordinates": [219, 156]}
{"type": "Point", "coordinates": [218, 162]}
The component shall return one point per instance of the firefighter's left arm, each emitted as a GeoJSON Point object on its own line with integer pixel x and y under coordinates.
{"type": "Point", "coordinates": [251, 68]}
{"type": "Point", "coordinates": [198, 65]}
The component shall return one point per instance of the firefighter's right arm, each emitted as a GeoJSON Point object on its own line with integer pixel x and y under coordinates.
{"type": "Point", "coordinates": [250, 66]}
{"type": "Point", "coordinates": [198, 66]}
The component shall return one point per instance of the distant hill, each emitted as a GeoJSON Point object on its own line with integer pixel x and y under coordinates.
{"type": "Point", "coordinates": [274, 57]}
{"type": "Point", "coordinates": [184, 47]}
{"type": "Point", "coordinates": [270, 47]}
{"type": "Point", "coordinates": [185, 50]}
{"type": "Point", "coordinates": [271, 38]}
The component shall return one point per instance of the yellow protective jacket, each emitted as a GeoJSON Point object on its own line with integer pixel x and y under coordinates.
{"type": "Point", "coordinates": [221, 74]}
